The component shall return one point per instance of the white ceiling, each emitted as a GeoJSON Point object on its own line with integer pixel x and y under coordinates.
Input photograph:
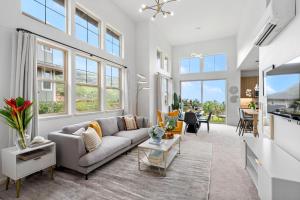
{"type": "Point", "coordinates": [216, 18]}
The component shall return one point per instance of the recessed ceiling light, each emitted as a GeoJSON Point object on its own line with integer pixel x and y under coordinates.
{"type": "Point", "coordinates": [198, 28]}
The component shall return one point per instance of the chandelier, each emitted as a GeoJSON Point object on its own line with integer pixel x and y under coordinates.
{"type": "Point", "coordinates": [158, 8]}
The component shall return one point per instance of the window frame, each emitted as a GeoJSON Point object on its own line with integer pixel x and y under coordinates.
{"type": "Point", "coordinates": [65, 81]}
{"type": "Point", "coordinates": [98, 86]}
{"type": "Point", "coordinates": [99, 27]}
{"type": "Point", "coordinates": [189, 72]}
{"type": "Point", "coordinates": [114, 88]}
{"type": "Point", "coordinates": [44, 21]}
{"type": "Point", "coordinates": [113, 30]}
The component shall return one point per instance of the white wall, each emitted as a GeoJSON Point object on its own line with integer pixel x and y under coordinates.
{"type": "Point", "coordinates": [11, 18]}
{"type": "Point", "coordinates": [149, 40]}
{"type": "Point", "coordinates": [251, 15]}
{"type": "Point", "coordinates": [232, 75]}
{"type": "Point", "coordinates": [283, 48]}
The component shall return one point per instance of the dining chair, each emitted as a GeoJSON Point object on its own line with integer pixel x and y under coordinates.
{"type": "Point", "coordinates": [246, 123]}
{"type": "Point", "coordinates": [206, 120]}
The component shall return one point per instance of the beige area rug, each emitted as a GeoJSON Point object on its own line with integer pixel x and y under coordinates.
{"type": "Point", "coordinates": [188, 178]}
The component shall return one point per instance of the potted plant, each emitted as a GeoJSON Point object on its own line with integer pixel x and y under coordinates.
{"type": "Point", "coordinates": [252, 105]}
{"type": "Point", "coordinates": [17, 114]}
{"type": "Point", "coordinates": [170, 126]}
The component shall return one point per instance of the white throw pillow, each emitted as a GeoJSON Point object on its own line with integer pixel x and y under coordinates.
{"type": "Point", "coordinates": [79, 132]}
{"type": "Point", "coordinates": [91, 139]}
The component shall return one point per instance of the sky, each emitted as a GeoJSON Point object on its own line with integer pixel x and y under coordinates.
{"type": "Point", "coordinates": [280, 83]}
{"type": "Point", "coordinates": [212, 90]}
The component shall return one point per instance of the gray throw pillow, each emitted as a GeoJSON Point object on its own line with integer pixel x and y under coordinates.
{"type": "Point", "coordinates": [109, 126]}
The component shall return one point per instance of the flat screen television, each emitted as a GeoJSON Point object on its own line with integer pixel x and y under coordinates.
{"type": "Point", "coordinates": [282, 89]}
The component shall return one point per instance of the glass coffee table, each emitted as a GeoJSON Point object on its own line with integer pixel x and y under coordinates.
{"type": "Point", "coordinates": [160, 156]}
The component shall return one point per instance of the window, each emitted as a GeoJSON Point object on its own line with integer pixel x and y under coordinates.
{"type": "Point", "coordinates": [215, 63]}
{"type": "Point", "coordinates": [87, 85]}
{"type": "Point", "coordinates": [159, 63]}
{"type": "Point", "coordinates": [165, 89]}
{"type": "Point", "coordinates": [113, 42]}
{"type": "Point", "coordinates": [51, 77]}
{"type": "Point", "coordinates": [112, 88]}
{"type": "Point", "coordinates": [205, 96]}
{"type": "Point", "coordinates": [166, 64]}
{"type": "Point", "coordinates": [50, 12]}
{"type": "Point", "coordinates": [190, 65]}
{"type": "Point", "coordinates": [87, 29]}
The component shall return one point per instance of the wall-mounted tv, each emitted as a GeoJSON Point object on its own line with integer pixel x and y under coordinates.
{"type": "Point", "coordinates": [282, 89]}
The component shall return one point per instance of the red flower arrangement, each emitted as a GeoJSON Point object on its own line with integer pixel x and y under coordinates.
{"type": "Point", "coordinates": [17, 114]}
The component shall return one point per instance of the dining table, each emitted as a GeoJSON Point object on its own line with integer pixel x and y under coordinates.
{"type": "Point", "coordinates": [253, 113]}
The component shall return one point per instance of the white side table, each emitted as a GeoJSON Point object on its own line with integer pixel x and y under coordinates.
{"type": "Point", "coordinates": [14, 168]}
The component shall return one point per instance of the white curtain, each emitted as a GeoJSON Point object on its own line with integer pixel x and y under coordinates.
{"type": "Point", "coordinates": [23, 76]}
{"type": "Point", "coordinates": [125, 91]}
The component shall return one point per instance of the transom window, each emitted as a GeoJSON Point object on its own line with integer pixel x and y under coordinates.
{"type": "Point", "coordinates": [50, 12]}
{"type": "Point", "coordinates": [87, 28]}
{"type": "Point", "coordinates": [215, 63]}
{"type": "Point", "coordinates": [113, 42]}
{"type": "Point", "coordinates": [51, 77]}
{"type": "Point", "coordinates": [112, 88]}
{"type": "Point", "coordinates": [190, 65]}
{"type": "Point", "coordinates": [87, 85]}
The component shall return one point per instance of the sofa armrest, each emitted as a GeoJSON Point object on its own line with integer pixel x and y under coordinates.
{"type": "Point", "coordinates": [69, 148]}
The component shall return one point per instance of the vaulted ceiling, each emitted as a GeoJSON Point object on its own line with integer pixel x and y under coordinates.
{"type": "Point", "coordinates": [194, 20]}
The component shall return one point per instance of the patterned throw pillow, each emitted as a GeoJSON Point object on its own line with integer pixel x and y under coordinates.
{"type": "Point", "coordinates": [91, 139]}
{"type": "Point", "coordinates": [130, 123]}
{"type": "Point", "coordinates": [95, 125]}
{"type": "Point", "coordinates": [79, 132]}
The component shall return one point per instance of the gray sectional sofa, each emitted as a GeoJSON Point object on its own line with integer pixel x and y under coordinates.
{"type": "Point", "coordinates": [71, 152]}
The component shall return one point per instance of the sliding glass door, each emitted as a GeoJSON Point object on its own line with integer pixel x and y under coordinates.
{"type": "Point", "coordinates": [205, 96]}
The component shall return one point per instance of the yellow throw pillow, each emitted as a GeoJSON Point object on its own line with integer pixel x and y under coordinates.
{"type": "Point", "coordinates": [91, 139]}
{"type": "Point", "coordinates": [95, 125]}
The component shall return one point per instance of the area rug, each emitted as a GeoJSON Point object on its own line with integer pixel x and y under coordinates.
{"type": "Point", "coordinates": [188, 178]}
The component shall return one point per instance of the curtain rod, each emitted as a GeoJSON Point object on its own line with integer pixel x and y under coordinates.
{"type": "Point", "coordinates": [72, 47]}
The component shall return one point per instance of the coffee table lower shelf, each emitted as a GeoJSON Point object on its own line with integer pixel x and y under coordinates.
{"type": "Point", "coordinates": [167, 156]}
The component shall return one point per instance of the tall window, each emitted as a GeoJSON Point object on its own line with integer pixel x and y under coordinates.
{"type": "Point", "coordinates": [159, 58]}
{"type": "Point", "coordinates": [51, 77]}
{"type": "Point", "coordinates": [166, 64]}
{"type": "Point", "coordinates": [113, 42]}
{"type": "Point", "coordinates": [112, 88]}
{"type": "Point", "coordinates": [50, 12]}
{"type": "Point", "coordinates": [205, 96]}
{"type": "Point", "coordinates": [165, 88]}
{"type": "Point", "coordinates": [215, 63]}
{"type": "Point", "coordinates": [190, 65]}
{"type": "Point", "coordinates": [87, 29]}
{"type": "Point", "coordinates": [87, 85]}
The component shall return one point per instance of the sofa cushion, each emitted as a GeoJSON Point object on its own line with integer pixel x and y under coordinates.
{"type": "Point", "coordinates": [140, 121]}
{"type": "Point", "coordinates": [130, 122]}
{"type": "Point", "coordinates": [109, 126]}
{"type": "Point", "coordinates": [72, 128]}
{"type": "Point", "coordinates": [134, 135]}
{"type": "Point", "coordinates": [109, 146]}
{"type": "Point", "coordinates": [121, 123]}
{"type": "Point", "coordinates": [91, 139]}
